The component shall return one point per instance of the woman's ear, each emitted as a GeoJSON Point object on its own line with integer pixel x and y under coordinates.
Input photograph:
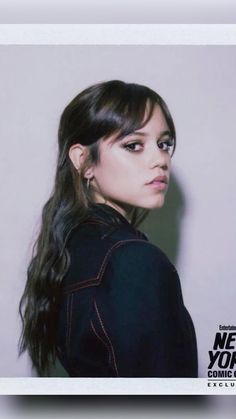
{"type": "Point", "coordinates": [78, 154]}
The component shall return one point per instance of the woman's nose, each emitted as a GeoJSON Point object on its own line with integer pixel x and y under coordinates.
{"type": "Point", "coordinates": [159, 158]}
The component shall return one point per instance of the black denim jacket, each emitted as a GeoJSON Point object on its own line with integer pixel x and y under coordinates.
{"type": "Point", "coordinates": [122, 312]}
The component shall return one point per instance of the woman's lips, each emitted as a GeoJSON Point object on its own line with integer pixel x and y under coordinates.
{"type": "Point", "coordinates": [158, 185]}
{"type": "Point", "coordinates": [159, 182]}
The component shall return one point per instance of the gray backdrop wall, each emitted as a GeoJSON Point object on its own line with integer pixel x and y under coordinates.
{"type": "Point", "coordinates": [196, 226]}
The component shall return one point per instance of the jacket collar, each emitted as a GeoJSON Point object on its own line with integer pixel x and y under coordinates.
{"type": "Point", "coordinates": [107, 213]}
{"type": "Point", "coordinates": [113, 217]}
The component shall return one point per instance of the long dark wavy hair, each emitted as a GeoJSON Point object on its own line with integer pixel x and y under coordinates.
{"type": "Point", "coordinates": [104, 109]}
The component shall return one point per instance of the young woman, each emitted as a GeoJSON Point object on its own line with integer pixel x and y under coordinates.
{"type": "Point", "coordinates": [100, 296]}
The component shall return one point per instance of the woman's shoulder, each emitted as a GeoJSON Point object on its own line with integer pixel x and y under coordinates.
{"type": "Point", "coordinates": [104, 240]}
{"type": "Point", "coordinates": [141, 271]}
{"type": "Point", "coordinates": [90, 247]}
{"type": "Point", "coordinates": [140, 258]}
{"type": "Point", "coordinates": [94, 248]}
{"type": "Point", "coordinates": [119, 241]}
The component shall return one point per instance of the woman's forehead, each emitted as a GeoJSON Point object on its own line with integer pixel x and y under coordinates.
{"type": "Point", "coordinates": [156, 121]}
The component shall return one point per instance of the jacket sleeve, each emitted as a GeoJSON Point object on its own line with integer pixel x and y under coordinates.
{"type": "Point", "coordinates": [141, 314]}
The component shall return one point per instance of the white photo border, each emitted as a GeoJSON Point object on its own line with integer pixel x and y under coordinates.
{"type": "Point", "coordinates": [114, 34]}
{"type": "Point", "coordinates": [118, 34]}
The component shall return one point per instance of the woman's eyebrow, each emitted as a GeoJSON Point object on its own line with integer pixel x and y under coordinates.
{"type": "Point", "coordinates": [116, 139]}
{"type": "Point", "coordinates": [145, 134]}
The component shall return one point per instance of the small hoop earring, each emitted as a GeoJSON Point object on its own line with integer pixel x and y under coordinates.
{"type": "Point", "coordinates": [88, 183]}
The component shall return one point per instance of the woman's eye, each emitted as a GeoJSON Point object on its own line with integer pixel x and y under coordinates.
{"type": "Point", "coordinates": [166, 145]}
{"type": "Point", "coordinates": [133, 146]}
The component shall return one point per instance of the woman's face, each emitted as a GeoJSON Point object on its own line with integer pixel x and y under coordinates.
{"type": "Point", "coordinates": [127, 166]}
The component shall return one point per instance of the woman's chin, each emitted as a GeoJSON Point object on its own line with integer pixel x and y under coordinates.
{"type": "Point", "coordinates": [154, 204]}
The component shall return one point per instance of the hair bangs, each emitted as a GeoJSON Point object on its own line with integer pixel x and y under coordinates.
{"type": "Point", "coordinates": [133, 115]}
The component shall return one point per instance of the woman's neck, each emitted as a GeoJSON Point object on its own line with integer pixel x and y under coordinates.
{"type": "Point", "coordinates": [124, 209]}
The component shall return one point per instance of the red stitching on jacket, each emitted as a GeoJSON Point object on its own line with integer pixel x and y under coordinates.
{"type": "Point", "coordinates": [71, 304]}
{"type": "Point", "coordinates": [99, 337]}
{"type": "Point", "coordinates": [103, 328]}
{"type": "Point", "coordinates": [69, 320]}
{"type": "Point", "coordinates": [98, 278]}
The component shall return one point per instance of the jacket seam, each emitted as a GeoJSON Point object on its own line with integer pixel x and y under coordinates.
{"type": "Point", "coordinates": [97, 280]}
{"type": "Point", "coordinates": [104, 343]}
{"type": "Point", "coordinates": [69, 320]}
{"type": "Point", "coordinates": [105, 333]}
